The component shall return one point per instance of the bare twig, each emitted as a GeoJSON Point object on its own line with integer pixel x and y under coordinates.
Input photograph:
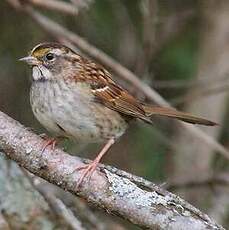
{"type": "Point", "coordinates": [66, 213]}
{"type": "Point", "coordinates": [14, 3]}
{"type": "Point", "coordinates": [127, 34]}
{"type": "Point", "coordinates": [57, 205]}
{"type": "Point", "coordinates": [149, 11]}
{"type": "Point", "coordinates": [21, 205]}
{"type": "Point", "coordinates": [61, 6]}
{"type": "Point", "coordinates": [201, 93]}
{"type": "Point", "coordinates": [60, 209]}
{"type": "Point", "coordinates": [88, 215]}
{"type": "Point", "coordinates": [203, 81]}
{"type": "Point", "coordinates": [219, 179]}
{"type": "Point", "coordinates": [59, 31]}
{"type": "Point", "coordinates": [115, 194]}
{"type": "Point", "coordinates": [81, 3]}
{"type": "Point", "coordinates": [220, 206]}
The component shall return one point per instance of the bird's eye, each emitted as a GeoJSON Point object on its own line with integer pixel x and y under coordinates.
{"type": "Point", "coordinates": [49, 57]}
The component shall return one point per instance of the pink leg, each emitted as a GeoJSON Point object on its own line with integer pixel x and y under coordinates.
{"type": "Point", "coordinates": [49, 142]}
{"type": "Point", "coordinates": [90, 168]}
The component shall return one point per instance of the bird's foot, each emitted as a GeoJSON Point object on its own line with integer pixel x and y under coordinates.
{"type": "Point", "coordinates": [88, 171]}
{"type": "Point", "coordinates": [90, 168]}
{"type": "Point", "coordinates": [49, 142]}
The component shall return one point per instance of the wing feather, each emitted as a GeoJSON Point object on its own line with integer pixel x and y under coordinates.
{"type": "Point", "coordinates": [111, 95]}
{"type": "Point", "coordinates": [107, 92]}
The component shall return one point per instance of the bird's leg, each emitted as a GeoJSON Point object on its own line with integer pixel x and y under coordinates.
{"type": "Point", "coordinates": [90, 168]}
{"type": "Point", "coordinates": [50, 142]}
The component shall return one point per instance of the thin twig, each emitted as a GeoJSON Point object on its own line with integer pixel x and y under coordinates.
{"type": "Point", "coordinates": [82, 3]}
{"type": "Point", "coordinates": [224, 88]}
{"type": "Point", "coordinates": [202, 81]}
{"type": "Point", "coordinates": [60, 6]}
{"type": "Point", "coordinates": [127, 34]}
{"type": "Point", "coordinates": [14, 3]}
{"type": "Point", "coordinates": [221, 179]}
{"type": "Point", "coordinates": [57, 205]}
{"type": "Point", "coordinates": [149, 11]}
{"type": "Point", "coordinates": [60, 209]}
{"type": "Point", "coordinates": [88, 215]}
{"type": "Point", "coordinates": [66, 213]}
{"type": "Point", "coordinates": [58, 31]}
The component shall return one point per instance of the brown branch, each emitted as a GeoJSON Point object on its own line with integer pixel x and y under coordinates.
{"type": "Point", "coordinates": [82, 3]}
{"type": "Point", "coordinates": [61, 210]}
{"type": "Point", "coordinates": [20, 204]}
{"type": "Point", "coordinates": [149, 13]}
{"type": "Point", "coordinates": [14, 3]}
{"type": "Point", "coordinates": [60, 6]}
{"type": "Point", "coordinates": [56, 5]}
{"type": "Point", "coordinates": [66, 213]}
{"type": "Point", "coordinates": [203, 81]}
{"type": "Point", "coordinates": [221, 179]}
{"type": "Point", "coordinates": [56, 204]}
{"type": "Point", "coordinates": [58, 31]}
{"type": "Point", "coordinates": [107, 190]}
{"type": "Point", "coordinates": [86, 214]}
{"type": "Point", "coordinates": [200, 93]}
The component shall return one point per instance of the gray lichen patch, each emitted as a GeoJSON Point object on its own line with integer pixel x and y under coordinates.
{"type": "Point", "coordinates": [125, 188]}
{"type": "Point", "coordinates": [167, 209]}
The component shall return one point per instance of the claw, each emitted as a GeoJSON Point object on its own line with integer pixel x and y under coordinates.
{"type": "Point", "coordinates": [49, 142]}
{"type": "Point", "coordinates": [88, 171]}
{"type": "Point", "coordinates": [90, 168]}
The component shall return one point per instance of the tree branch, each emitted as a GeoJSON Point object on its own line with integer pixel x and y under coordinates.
{"type": "Point", "coordinates": [117, 195]}
{"type": "Point", "coordinates": [60, 6]}
{"type": "Point", "coordinates": [55, 204]}
{"type": "Point", "coordinates": [220, 179]}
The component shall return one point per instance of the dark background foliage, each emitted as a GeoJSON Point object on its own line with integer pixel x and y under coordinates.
{"type": "Point", "coordinates": [180, 48]}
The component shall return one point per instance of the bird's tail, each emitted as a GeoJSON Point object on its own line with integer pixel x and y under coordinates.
{"type": "Point", "coordinates": [172, 113]}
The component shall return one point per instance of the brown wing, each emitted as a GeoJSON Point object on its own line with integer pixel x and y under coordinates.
{"type": "Point", "coordinates": [118, 99]}
{"type": "Point", "coordinates": [111, 95]}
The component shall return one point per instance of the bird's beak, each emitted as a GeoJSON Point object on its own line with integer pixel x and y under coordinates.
{"type": "Point", "coordinates": [30, 60]}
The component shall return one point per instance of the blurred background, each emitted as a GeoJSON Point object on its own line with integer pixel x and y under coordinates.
{"type": "Point", "coordinates": [179, 48]}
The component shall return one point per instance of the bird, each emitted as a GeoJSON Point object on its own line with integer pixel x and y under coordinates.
{"type": "Point", "coordinates": [76, 98]}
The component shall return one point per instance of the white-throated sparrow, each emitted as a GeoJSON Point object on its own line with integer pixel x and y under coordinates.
{"type": "Point", "coordinates": [72, 96]}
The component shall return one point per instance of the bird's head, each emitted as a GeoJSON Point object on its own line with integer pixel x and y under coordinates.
{"type": "Point", "coordinates": [48, 60]}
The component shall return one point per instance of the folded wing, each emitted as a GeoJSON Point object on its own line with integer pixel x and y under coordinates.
{"type": "Point", "coordinates": [107, 92]}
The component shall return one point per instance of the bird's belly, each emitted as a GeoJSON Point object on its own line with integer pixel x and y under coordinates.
{"type": "Point", "coordinates": [76, 116]}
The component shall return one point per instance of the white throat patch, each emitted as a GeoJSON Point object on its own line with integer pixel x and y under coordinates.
{"type": "Point", "coordinates": [40, 73]}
